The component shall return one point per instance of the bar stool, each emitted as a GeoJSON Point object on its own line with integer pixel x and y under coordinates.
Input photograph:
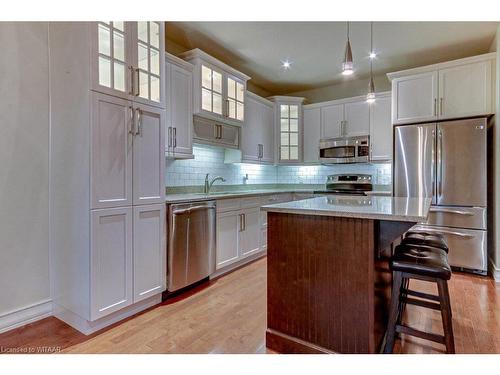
{"type": "Point", "coordinates": [425, 239]}
{"type": "Point", "coordinates": [422, 263]}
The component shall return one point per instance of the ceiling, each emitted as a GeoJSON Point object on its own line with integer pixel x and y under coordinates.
{"type": "Point", "coordinates": [316, 48]}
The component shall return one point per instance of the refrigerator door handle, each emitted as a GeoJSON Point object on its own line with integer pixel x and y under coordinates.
{"type": "Point", "coordinates": [439, 166]}
{"type": "Point", "coordinates": [450, 211]}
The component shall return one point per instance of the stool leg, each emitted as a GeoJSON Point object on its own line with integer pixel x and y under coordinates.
{"type": "Point", "coordinates": [397, 280]}
{"type": "Point", "coordinates": [446, 316]}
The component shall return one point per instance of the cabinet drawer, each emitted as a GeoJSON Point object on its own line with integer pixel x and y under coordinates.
{"type": "Point", "coordinates": [463, 217]}
{"type": "Point", "coordinates": [250, 202]}
{"type": "Point", "coordinates": [224, 205]}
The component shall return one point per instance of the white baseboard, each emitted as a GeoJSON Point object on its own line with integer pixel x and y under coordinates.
{"type": "Point", "coordinates": [25, 315]}
{"type": "Point", "coordinates": [86, 327]}
{"type": "Point", "coordinates": [494, 270]}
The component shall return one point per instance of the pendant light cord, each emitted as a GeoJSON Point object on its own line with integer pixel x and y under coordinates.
{"type": "Point", "coordinates": [371, 49]}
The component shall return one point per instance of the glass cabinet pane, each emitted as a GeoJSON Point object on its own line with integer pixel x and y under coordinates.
{"type": "Point", "coordinates": [232, 108]}
{"type": "Point", "coordinates": [284, 125]}
{"type": "Point", "coordinates": [294, 139]}
{"type": "Point", "coordinates": [284, 139]}
{"type": "Point", "coordinates": [143, 85]}
{"type": "Point", "coordinates": [104, 40]}
{"type": "Point", "coordinates": [240, 92]}
{"type": "Point", "coordinates": [217, 104]}
{"type": "Point", "coordinates": [119, 76]}
{"type": "Point", "coordinates": [155, 88]}
{"type": "Point", "coordinates": [294, 111]}
{"type": "Point", "coordinates": [217, 81]}
{"type": "Point", "coordinates": [240, 111]}
{"type": "Point", "coordinates": [206, 100]}
{"type": "Point", "coordinates": [206, 77]}
{"type": "Point", "coordinates": [142, 57]}
{"type": "Point", "coordinates": [155, 61]}
{"type": "Point", "coordinates": [154, 34]}
{"type": "Point", "coordinates": [104, 71]}
{"type": "Point", "coordinates": [142, 31]}
{"type": "Point", "coordinates": [231, 88]}
{"type": "Point", "coordinates": [294, 125]}
{"type": "Point", "coordinates": [118, 46]}
{"type": "Point", "coordinates": [294, 153]}
{"type": "Point", "coordinates": [285, 154]}
{"type": "Point", "coordinates": [284, 111]}
{"type": "Point", "coordinates": [289, 132]}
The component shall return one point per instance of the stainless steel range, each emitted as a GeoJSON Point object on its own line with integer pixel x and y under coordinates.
{"type": "Point", "coordinates": [349, 184]}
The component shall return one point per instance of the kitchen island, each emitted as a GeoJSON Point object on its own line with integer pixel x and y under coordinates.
{"type": "Point", "coordinates": [328, 281]}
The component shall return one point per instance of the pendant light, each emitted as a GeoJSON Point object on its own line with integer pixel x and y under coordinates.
{"type": "Point", "coordinates": [347, 65]}
{"type": "Point", "coordinates": [370, 97]}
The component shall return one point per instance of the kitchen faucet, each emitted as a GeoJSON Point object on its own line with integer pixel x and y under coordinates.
{"type": "Point", "coordinates": [208, 185]}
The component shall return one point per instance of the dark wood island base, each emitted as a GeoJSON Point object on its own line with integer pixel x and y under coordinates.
{"type": "Point", "coordinates": [328, 285]}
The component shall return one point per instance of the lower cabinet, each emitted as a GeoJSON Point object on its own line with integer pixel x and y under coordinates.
{"type": "Point", "coordinates": [242, 227]}
{"type": "Point", "coordinates": [127, 255]}
{"type": "Point", "coordinates": [149, 251]}
{"type": "Point", "coordinates": [228, 238]}
{"type": "Point", "coordinates": [250, 232]}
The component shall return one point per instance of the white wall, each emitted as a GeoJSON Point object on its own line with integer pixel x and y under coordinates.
{"type": "Point", "coordinates": [24, 149]}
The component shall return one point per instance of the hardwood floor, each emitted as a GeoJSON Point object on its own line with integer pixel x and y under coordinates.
{"type": "Point", "coordinates": [229, 316]}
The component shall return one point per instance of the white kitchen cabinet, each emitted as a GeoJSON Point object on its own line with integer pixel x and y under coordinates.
{"type": "Point", "coordinates": [415, 98]}
{"type": "Point", "coordinates": [110, 261]}
{"type": "Point", "coordinates": [107, 159]}
{"type": "Point", "coordinates": [289, 128]}
{"type": "Point", "coordinates": [454, 89]}
{"type": "Point", "coordinates": [332, 120]}
{"type": "Point", "coordinates": [127, 60]}
{"type": "Point", "coordinates": [381, 128]}
{"type": "Point", "coordinates": [312, 134]}
{"type": "Point", "coordinates": [357, 118]}
{"type": "Point", "coordinates": [111, 151]}
{"type": "Point", "coordinates": [149, 155]}
{"type": "Point", "coordinates": [257, 136]}
{"type": "Point", "coordinates": [228, 238]}
{"type": "Point", "coordinates": [179, 88]}
{"type": "Point", "coordinates": [268, 144]}
{"type": "Point", "coordinates": [149, 254]}
{"type": "Point", "coordinates": [465, 90]}
{"type": "Point", "coordinates": [219, 90]}
{"type": "Point", "coordinates": [250, 232]}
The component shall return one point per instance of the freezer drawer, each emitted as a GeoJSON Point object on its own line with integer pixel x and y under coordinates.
{"type": "Point", "coordinates": [467, 247]}
{"type": "Point", "coordinates": [461, 217]}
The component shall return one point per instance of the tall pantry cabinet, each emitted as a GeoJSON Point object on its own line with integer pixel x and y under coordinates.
{"type": "Point", "coordinates": [107, 147]}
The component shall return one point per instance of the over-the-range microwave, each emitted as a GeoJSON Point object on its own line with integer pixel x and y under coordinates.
{"type": "Point", "coordinates": [342, 150]}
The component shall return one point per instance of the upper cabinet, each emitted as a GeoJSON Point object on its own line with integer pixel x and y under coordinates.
{"type": "Point", "coordinates": [127, 60]}
{"type": "Point", "coordinates": [257, 136]}
{"type": "Point", "coordinates": [312, 130]}
{"type": "Point", "coordinates": [219, 90]}
{"type": "Point", "coordinates": [459, 88]}
{"type": "Point", "coordinates": [381, 128]}
{"type": "Point", "coordinates": [345, 117]}
{"type": "Point", "coordinates": [179, 88]}
{"type": "Point", "coordinates": [288, 127]}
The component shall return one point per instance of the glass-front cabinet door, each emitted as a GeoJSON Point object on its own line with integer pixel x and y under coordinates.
{"type": "Point", "coordinates": [289, 132]}
{"type": "Point", "coordinates": [235, 99]}
{"type": "Point", "coordinates": [111, 58]}
{"type": "Point", "coordinates": [129, 61]}
{"type": "Point", "coordinates": [211, 90]}
{"type": "Point", "coordinates": [149, 62]}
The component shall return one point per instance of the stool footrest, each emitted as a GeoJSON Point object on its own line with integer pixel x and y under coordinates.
{"type": "Point", "coordinates": [420, 334]}
{"type": "Point", "coordinates": [421, 303]}
{"type": "Point", "coordinates": [420, 294]}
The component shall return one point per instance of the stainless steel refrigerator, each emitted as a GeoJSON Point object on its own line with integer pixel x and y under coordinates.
{"type": "Point", "coordinates": [447, 161]}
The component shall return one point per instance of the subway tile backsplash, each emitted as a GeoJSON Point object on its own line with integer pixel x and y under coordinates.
{"type": "Point", "coordinates": [207, 159]}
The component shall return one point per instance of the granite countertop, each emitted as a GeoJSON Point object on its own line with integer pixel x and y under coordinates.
{"type": "Point", "coordinates": [188, 197]}
{"type": "Point", "coordinates": [368, 207]}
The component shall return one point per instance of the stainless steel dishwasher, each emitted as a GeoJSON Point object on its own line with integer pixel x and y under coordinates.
{"type": "Point", "coordinates": [191, 243]}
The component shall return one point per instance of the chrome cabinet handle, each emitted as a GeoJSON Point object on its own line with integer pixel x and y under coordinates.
{"type": "Point", "coordinates": [227, 107]}
{"type": "Point", "coordinates": [220, 131]}
{"type": "Point", "coordinates": [241, 222]}
{"type": "Point", "coordinates": [132, 123]}
{"type": "Point", "coordinates": [175, 136]}
{"type": "Point", "coordinates": [169, 136]}
{"type": "Point", "coordinates": [132, 77]}
{"type": "Point", "coordinates": [435, 106]}
{"type": "Point", "coordinates": [244, 222]}
{"type": "Point", "coordinates": [441, 106]}
{"type": "Point", "coordinates": [136, 86]}
{"type": "Point", "coordinates": [216, 131]}
{"type": "Point", "coordinates": [139, 122]}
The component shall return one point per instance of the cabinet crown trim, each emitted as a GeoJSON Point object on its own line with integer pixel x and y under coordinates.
{"type": "Point", "coordinates": [198, 54]}
{"type": "Point", "coordinates": [284, 98]}
{"type": "Point", "coordinates": [171, 59]}
{"type": "Point", "coordinates": [254, 96]}
{"type": "Point", "coordinates": [353, 99]}
{"type": "Point", "coordinates": [447, 64]}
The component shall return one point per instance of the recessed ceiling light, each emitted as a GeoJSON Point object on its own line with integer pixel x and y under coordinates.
{"type": "Point", "coordinates": [373, 55]}
{"type": "Point", "coordinates": [286, 64]}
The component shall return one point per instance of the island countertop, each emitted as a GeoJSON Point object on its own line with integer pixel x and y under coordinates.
{"type": "Point", "coordinates": [361, 207]}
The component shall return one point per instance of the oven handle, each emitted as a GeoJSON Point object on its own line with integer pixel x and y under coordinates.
{"type": "Point", "coordinates": [191, 209]}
